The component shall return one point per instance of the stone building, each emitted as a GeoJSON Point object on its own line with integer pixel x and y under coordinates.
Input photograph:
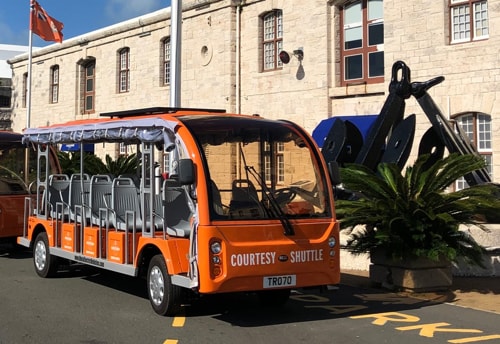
{"type": "Point", "coordinates": [341, 54]}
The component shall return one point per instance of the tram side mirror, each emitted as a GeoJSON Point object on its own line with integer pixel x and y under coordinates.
{"type": "Point", "coordinates": [186, 171]}
{"type": "Point", "coordinates": [334, 171]}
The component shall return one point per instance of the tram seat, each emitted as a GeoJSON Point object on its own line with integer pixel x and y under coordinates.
{"type": "Point", "coordinates": [124, 202]}
{"type": "Point", "coordinates": [58, 192]}
{"type": "Point", "coordinates": [178, 208]}
{"type": "Point", "coordinates": [133, 176]}
{"type": "Point", "coordinates": [100, 199]}
{"type": "Point", "coordinates": [244, 200]}
{"type": "Point", "coordinates": [157, 211]}
{"type": "Point", "coordinates": [79, 188]}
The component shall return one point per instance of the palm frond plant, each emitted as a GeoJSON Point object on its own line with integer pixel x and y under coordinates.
{"type": "Point", "coordinates": [412, 215]}
{"type": "Point", "coordinates": [70, 163]}
{"type": "Point", "coordinates": [123, 164]}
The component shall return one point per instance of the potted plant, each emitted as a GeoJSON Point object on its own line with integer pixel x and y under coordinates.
{"type": "Point", "coordinates": [409, 223]}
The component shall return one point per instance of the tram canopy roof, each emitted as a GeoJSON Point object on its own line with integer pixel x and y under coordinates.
{"type": "Point", "coordinates": [147, 129]}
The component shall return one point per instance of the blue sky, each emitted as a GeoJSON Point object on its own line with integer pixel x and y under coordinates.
{"type": "Point", "coordinates": [78, 17]}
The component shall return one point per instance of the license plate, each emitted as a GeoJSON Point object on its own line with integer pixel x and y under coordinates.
{"type": "Point", "coordinates": [280, 281]}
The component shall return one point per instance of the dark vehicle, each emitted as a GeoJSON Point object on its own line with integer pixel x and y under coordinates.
{"type": "Point", "coordinates": [17, 172]}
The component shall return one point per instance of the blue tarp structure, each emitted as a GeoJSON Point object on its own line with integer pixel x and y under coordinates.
{"type": "Point", "coordinates": [362, 122]}
{"type": "Point", "coordinates": [75, 147]}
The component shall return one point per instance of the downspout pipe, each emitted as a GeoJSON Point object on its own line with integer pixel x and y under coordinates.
{"type": "Point", "coordinates": [238, 53]}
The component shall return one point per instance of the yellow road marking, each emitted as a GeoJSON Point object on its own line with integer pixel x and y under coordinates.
{"type": "Point", "coordinates": [382, 318]}
{"type": "Point", "coordinates": [427, 330]}
{"type": "Point", "coordinates": [474, 339]}
{"type": "Point", "coordinates": [178, 321]}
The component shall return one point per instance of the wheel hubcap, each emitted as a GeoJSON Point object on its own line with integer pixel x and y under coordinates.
{"type": "Point", "coordinates": [40, 255]}
{"type": "Point", "coordinates": [156, 286]}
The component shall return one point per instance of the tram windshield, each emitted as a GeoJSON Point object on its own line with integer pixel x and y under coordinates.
{"type": "Point", "coordinates": [259, 169]}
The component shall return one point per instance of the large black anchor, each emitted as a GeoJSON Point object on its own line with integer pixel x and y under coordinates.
{"type": "Point", "coordinates": [454, 139]}
{"type": "Point", "coordinates": [391, 136]}
{"type": "Point", "coordinates": [397, 148]}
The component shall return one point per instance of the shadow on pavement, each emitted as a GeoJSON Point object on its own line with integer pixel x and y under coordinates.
{"type": "Point", "coordinates": [14, 251]}
{"type": "Point", "coordinates": [473, 292]}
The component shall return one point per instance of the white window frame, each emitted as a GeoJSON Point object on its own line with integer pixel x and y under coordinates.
{"type": "Point", "coordinates": [124, 82]}
{"type": "Point", "coordinates": [54, 84]}
{"type": "Point", "coordinates": [167, 52]}
{"type": "Point", "coordinates": [279, 162]}
{"type": "Point", "coordinates": [123, 149]}
{"type": "Point", "coordinates": [166, 162]}
{"type": "Point", "coordinates": [477, 127]}
{"type": "Point", "coordinates": [272, 40]}
{"type": "Point", "coordinates": [472, 22]}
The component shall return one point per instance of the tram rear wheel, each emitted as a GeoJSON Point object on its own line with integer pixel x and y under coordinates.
{"type": "Point", "coordinates": [165, 297]}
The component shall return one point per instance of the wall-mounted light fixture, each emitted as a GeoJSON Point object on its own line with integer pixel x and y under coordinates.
{"type": "Point", "coordinates": [284, 56]}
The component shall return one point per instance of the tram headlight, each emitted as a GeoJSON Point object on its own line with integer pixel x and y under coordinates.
{"type": "Point", "coordinates": [216, 247]}
{"type": "Point", "coordinates": [332, 242]}
{"type": "Point", "coordinates": [215, 258]}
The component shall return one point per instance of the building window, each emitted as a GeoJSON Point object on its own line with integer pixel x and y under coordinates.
{"type": "Point", "coordinates": [362, 42]}
{"type": "Point", "coordinates": [272, 39]}
{"type": "Point", "coordinates": [88, 86]}
{"type": "Point", "coordinates": [54, 84]}
{"type": "Point", "coordinates": [477, 127]}
{"type": "Point", "coordinates": [166, 163]}
{"type": "Point", "coordinates": [5, 94]}
{"type": "Point", "coordinates": [24, 96]}
{"type": "Point", "coordinates": [123, 149]}
{"type": "Point", "coordinates": [274, 162]}
{"type": "Point", "coordinates": [124, 70]}
{"type": "Point", "coordinates": [165, 61]}
{"type": "Point", "coordinates": [468, 20]}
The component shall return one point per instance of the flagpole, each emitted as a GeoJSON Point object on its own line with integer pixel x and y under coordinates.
{"type": "Point", "coordinates": [30, 67]}
{"type": "Point", "coordinates": [175, 40]}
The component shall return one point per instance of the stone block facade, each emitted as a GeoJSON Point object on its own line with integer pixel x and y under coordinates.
{"type": "Point", "coordinates": [222, 67]}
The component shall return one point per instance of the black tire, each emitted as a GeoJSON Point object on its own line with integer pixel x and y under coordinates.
{"type": "Point", "coordinates": [165, 298]}
{"type": "Point", "coordinates": [274, 298]}
{"type": "Point", "coordinates": [46, 265]}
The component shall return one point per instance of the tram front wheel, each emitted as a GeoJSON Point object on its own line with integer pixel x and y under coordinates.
{"type": "Point", "coordinates": [45, 264]}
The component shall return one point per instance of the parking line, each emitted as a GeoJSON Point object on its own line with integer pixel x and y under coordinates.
{"type": "Point", "coordinates": [178, 321]}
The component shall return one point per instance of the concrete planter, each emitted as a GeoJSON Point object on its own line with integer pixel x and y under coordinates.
{"type": "Point", "coordinates": [416, 275]}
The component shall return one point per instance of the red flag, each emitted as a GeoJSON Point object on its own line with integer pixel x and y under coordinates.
{"type": "Point", "coordinates": [44, 25]}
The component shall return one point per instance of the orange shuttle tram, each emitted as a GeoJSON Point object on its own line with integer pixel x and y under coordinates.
{"type": "Point", "coordinates": [219, 203]}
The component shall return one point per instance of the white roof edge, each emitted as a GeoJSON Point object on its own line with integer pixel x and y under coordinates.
{"type": "Point", "coordinates": [78, 39]}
